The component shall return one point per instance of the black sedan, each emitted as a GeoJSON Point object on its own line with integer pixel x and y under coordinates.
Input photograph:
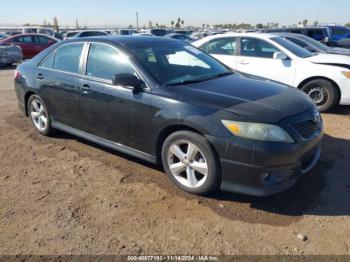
{"type": "Point", "coordinates": [167, 102]}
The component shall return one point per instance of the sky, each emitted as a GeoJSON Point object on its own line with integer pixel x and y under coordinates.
{"type": "Point", "coordinates": [193, 12]}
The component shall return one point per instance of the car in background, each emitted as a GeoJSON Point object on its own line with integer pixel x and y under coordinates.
{"type": "Point", "coordinates": [180, 37]}
{"type": "Point", "coordinates": [84, 33]}
{"type": "Point", "coordinates": [126, 31]}
{"type": "Point", "coordinates": [313, 45]}
{"type": "Point", "coordinates": [12, 33]}
{"type": "Point", "coordinates": [339, 32]}
{"type": "Point", "coordinates": [31, 44]}
{"type": "Point", "coordinates": [157, 32]}
{"type": "Point", "coordinates": [321, 34]}
{"type": "Point", "coordinates": [169, 103]}
{"type": "Point", "coordinates": [3, 36]}
{"type": "Point", "coordinates": [10, 54]}
{"type": "Point", "coordinates": [198, 35]}
{"type": "Point", "coordinates": [324, 77]}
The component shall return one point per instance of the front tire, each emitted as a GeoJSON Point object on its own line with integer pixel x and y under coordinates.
{"type": "Point", "coordinates": [190, 163]}
{"type": "Point", "coordinates": [323, 92]}
{"type": "Point", "coordinates": [39, 115]}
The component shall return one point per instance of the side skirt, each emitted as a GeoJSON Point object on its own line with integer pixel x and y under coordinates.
{"type": "Point", "coordinates": [104, 142]}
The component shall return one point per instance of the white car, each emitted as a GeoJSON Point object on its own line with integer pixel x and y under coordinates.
{"type": "Point", "coordinates": [325, 77]}
{"type": "Point", "coordinates": [84, 33]}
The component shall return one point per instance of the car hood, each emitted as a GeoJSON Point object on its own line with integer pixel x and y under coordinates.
{"type": "Point", "coordinates": [330, 59]}
{"type": "Point", "coordinates": [251, 98]}
{"type": "Point", "coordinates": [340, 51]}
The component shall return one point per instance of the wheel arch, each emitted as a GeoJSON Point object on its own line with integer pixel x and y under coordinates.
{"type": "Point", "coordinates": [307, 80]}
{"type": "Point", "coordinates": [167, 131]}
{"type": "Point", "coordinates": [26, 98]}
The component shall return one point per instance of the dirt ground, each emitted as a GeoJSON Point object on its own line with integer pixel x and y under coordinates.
{"type": "Point", "coordinates": [63, 195]}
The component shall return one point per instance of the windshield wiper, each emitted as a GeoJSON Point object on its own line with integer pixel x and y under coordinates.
{"type": "Point", "coordinates": [198, 80]}
{"type": "Point", "coordinates": [185, 82]}
{"type": "Point", "coordinates": [218, 76]}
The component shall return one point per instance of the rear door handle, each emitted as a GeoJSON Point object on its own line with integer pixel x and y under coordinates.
{"type": "Point", "coordinates": [85, 89]}
{"type": "Point", "coordinates": [40, 76]}
{"type": "Point", "coordinates": [242, 62]}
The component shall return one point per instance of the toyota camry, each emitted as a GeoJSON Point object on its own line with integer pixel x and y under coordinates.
{"type": "Point", "coordinates": [169, 103]}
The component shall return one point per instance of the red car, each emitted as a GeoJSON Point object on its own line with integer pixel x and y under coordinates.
{"type": "Point", "coordinates": [31, 44]}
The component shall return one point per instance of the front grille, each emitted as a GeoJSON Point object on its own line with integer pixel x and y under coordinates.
{"type": "Point", "coordinates": [308, 128]}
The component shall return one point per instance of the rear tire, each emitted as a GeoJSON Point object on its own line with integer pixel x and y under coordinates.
{"type": "Point", "coordinates": [190, 163]}
{"type": "Point", "coordinates": [323, 92]}
{"type": "Point", "coordinates": [39, 115]}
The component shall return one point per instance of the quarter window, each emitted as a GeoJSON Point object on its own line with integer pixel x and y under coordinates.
{"type": "Point", "coordinates": [67, 58]}
{"type": "Point", "coordinates": [257, 48]}
{"type": "Point", "coordinates": [48, 62]}
{"type": "Point", "coordinates": [105, 62]}
{"type": "Point", "coordinates": [225, 46]}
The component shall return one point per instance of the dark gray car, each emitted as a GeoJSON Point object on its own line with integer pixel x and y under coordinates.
{"type": "Point", "coordinates": [313, 45]}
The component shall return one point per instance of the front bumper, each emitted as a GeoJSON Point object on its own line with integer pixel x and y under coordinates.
{"type": "Point", "coordinates": [344, 86]}
{"type": "Point", "coordinates": [256, 180]}
{"type": "Point", "coordinates": [266, 168]}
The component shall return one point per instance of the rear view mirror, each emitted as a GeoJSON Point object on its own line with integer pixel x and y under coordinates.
{"type": "Point", "coordinates": [280, 56]}
{"type": "Point", "coordinates": [128, 80]}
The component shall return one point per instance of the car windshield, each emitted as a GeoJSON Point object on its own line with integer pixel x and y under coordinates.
{"type": "Point", "coordinates": [315, 43]}
{"type": "Point", "coordinates": [177, 64]}
{"type": "Point", "coordinates": [70, 34]}
{"type": "Point", "coordinates": [295, 49]}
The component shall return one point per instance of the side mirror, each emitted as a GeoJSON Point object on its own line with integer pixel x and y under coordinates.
{"type": "Point", "coordinates": [326, 39]}
{"type": "Point", "coordinates": [128, 80]}
{"type": "Point", "coordinates": [280, 56]}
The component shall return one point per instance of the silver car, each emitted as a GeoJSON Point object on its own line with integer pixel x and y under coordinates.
{"type": "Point", "coordinates": [10, 54]}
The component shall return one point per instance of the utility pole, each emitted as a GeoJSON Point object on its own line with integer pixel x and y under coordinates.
{"type": "Point", "coordinates": [137, 20]}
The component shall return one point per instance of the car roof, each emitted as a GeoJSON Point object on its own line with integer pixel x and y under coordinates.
{"type": "Point", "coordinates": [32, 34]}
{"type": "Point", "coordinates": [125, 40]}
{"type": "Point", "coordinates": [232, 34]}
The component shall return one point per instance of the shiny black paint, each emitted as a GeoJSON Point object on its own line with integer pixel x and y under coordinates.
{"type": "Point", "coordinates": [137, 122]}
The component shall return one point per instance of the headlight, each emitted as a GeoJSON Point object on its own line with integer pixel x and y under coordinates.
{"type": "Point", "coordinates": [256, 131]}
{"type": "Point", "coordinates": [346, 74]}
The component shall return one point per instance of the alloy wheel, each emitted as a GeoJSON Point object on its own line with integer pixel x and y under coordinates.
{"type": "Point", "coordinates": [187, 164]}
{"type": "Point", "coordinates": [38, 115]}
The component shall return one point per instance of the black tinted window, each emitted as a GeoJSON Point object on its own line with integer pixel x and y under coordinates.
{"type": "Point", "coordinates": [257, 48]}
{"type": "Point", "coordinates": [105, 62]}
{"type": "Point", "coordinates": [296, 41]}
{"type": "Point", "coordinates": [41, 39]}
{"type": "Point", "coordinates": [68, 58]}
{"type": "Point", "coordinates": [89, 34]}
{"type": "Point", "coordinates": [48, 62]}
{"type": "Point", "coordinates": [23, 39]}
{"type": "Point", "coordinates": [225, 46]}
{"type": "Point", "coordinates": [316, 34]}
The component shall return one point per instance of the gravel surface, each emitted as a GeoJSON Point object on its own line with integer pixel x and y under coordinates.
{"type": "Point", "coordinates": [63, 195]}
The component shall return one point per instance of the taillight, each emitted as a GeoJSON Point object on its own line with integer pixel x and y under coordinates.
{"type": "Point", "coordinates": [17, 75]}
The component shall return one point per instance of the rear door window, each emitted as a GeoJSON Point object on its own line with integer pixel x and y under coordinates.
{"type": "Point", "coordinates": [254, 47]}
{"type": "Point", "coordinates": [41, 40]}
{"type": "Point", "coordinates": [67, 58]}
{"type": "Point", "coordinates": [225, 46]}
